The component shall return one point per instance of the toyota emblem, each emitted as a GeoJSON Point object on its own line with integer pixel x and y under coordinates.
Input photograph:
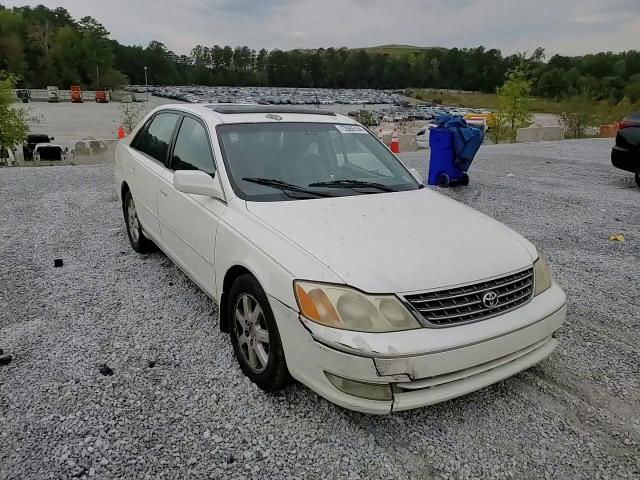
{"type": "Point", "coordinates": [490, 299]}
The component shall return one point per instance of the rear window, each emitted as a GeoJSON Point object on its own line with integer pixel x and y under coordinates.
{"type": "Point", "coordinates": [156, 139]}
{"type": "Point", "coordinates": [37, 139]}
{"type": "Point", "coordinates": [634, 117]}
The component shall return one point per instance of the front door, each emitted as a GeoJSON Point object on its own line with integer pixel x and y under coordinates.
{"type": "Point", "coordinates": [188, 222]}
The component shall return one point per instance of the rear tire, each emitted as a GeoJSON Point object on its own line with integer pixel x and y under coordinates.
{"type": "Point", "coordinates": [254, 335]}
{"type": "Point", "coordinates": [464, 181]}
{"type": "Point", "coordinates": [139, 242]}
{"type": "Point", "coordinates": [443, 180]}
{"type": "Point", "coordinates": [638, 179]}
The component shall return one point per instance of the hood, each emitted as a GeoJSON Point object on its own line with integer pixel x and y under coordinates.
{"type": "Point", "coordinates": [400, 241]}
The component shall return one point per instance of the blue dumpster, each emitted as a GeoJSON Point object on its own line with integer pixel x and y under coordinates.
{"type": "Point", "coordinates": [442, 169]}
{"type": "Point", "coordinates": [453, 146]}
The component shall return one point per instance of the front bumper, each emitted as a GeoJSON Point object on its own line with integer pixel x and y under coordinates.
{"type": "Point", "coordinates": [423, 366]}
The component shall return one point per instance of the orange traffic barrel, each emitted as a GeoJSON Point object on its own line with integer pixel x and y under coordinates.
{"type": "Point", "coordinates": [395, 143]}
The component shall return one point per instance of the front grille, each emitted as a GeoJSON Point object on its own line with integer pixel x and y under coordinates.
{"type": "Point", "coordinates": [465, 304]}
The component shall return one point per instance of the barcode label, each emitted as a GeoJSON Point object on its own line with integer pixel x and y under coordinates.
{"type": "Point", "coordinates": [351, 129]}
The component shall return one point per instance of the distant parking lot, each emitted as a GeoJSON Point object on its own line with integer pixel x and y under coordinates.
{"type": "Point", "coordinates": [178, 406]}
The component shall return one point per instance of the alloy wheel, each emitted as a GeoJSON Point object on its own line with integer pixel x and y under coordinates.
{"type": "Point", "coordinates": [132, 221]}
{"type": "Point", "coordinates": [251, 331]}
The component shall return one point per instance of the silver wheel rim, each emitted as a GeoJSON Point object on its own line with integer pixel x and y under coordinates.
{"type": "Point", "coordinates": [132, 221]}
{"type": "Point", "coordinates": [250, 328]}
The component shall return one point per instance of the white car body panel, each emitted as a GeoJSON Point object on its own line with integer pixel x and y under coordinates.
{"type": "Point", "coordinates": [142, 175]}
{"type": "Point", "coordinates": [355, 235]}
{"type": "Point", "coordinates": [386, 243]}
{"type": "Point", "coordinates": [188, 225]}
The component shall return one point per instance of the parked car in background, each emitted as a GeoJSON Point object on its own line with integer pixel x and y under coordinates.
{"type": "Point", "coordinates": [422, 136]}
{"type": "Point", "coordinates": [30, 143]}
{"type": "Point", "coordinates": [329, 259]}
{"type": "Point", "coordinates": [102, 96]}
{"type": "Point", "coordinates": [24, 95]}
{"type": "Point", "coordinates": [75, 94]}
{"type": "Point", "coordinates": [53, 94]}
{"type": "Point", "coordinates": [626, 152]}
{"type": "Point", "coordinates": [44, 152]}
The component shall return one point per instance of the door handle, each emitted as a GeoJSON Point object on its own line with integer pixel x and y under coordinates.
{"type": "Point", "coordinates": [163, 193]}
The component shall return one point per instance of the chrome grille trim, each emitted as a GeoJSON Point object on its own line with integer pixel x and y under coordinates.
{"type": "Point", "coordinates": [463, 304]}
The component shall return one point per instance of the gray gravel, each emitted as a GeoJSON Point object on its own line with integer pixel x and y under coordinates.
{"type": "Point", "coordinates": [192, 413]}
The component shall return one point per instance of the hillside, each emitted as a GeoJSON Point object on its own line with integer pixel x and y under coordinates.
{"type": "Point", "coordinates": [395, 49]}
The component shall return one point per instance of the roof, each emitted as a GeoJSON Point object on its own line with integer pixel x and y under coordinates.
{"type": "Point", "coordinates": [232, 109]}
{"type": "Point", "coordinates": [223, 113]}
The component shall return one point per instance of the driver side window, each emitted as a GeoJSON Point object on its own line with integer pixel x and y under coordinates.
{"type": "Point", "coordinates": [192, 150]}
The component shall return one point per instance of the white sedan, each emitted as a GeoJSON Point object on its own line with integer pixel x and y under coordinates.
{"type": "Point", "coordinates": [330, 262]}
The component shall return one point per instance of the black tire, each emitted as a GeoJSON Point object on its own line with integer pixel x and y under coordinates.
{"type": "Point", "coordinates": [275, 375]}
{"type": "Point", "coordinates": [638, 179]}
{"type": "Point", "coordinates": [443, 180]}
{"type": "Point", "coordinates": [139, 242]}
{"type": "Point", "coordinates": [464, 180]}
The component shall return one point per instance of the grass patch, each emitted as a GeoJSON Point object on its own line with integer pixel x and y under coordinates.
{"type": "Point", "coordinates": [486, 100]}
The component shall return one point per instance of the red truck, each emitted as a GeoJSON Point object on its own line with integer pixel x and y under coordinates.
{"type": "Point", "coordinates": [101, 96]}
{"type": "Point", "coordinates": [76, 94]}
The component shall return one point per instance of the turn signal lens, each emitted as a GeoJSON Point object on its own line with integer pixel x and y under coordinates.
{"type": "Point", "coordinates": [315, 305]}
{"type": "Point", "coordinates": [541, 275]}
{"type": "Point", "coordinates": [370, 391]}
{"type": "Point", "coordinates": [347, 308]}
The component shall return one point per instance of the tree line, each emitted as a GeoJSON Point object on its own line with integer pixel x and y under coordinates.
{"type": "Point", "coordinates": [45, 46]}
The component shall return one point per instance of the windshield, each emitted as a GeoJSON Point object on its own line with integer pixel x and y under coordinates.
{"type": "Point", "coordinates": [343, 159]}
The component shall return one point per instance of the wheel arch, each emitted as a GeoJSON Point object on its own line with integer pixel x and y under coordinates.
{"type": "Point", "coordinates": [124, 188]}
{"type": "Point", "coordinates": [230, 277]}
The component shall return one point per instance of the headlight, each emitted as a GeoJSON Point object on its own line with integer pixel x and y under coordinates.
{"type": "Point", "coordinates": [541, 275]}
{"type": "Point", "coordinates": [349, 309]}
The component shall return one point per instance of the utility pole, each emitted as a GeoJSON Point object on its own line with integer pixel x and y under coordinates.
{"type": "Point", "coordinates": [97, 77]}
{"type": "Point", "coordinates": [146, 83]}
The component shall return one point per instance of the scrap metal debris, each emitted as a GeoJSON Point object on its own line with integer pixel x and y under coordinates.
{"type": "Point", "coordinates": [5, 359]}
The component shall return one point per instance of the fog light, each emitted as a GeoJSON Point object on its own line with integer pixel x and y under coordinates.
{"type": "Point", "coordinates": [371, 391]}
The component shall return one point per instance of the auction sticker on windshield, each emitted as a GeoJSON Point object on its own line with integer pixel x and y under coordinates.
{"type": "Point", "coordinates": [351, 129]}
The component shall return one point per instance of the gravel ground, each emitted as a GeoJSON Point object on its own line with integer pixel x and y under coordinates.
{"type": "Point", "coordinates": [177, 405]}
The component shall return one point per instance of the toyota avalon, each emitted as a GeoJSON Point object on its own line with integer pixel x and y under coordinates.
{"type": "Point", "coordinates": [330, 261]}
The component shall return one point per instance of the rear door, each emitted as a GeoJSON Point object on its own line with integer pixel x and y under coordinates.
{"type": "Point", "coordinates": [149, 151]}
{"type": "Point", "coordinates": [188, 223]}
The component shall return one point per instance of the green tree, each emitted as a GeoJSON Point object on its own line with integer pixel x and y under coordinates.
{"type": "Point", "coordinates": [11, 46]}
{"type": "Point", "coordinates": [632, 90]}
{"type": "Point", "coordinates": [498, 126]}
{"type": "Point", "coordinates": [13, 119]}
{"type": "Point", "coordinates": [580, 116]}
{"type": "Point", "coordinates": [514, 103]}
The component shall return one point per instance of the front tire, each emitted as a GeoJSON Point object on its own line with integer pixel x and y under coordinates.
{"type": "Point", "coordinates": [638, 179]}
{"type": "Point", "coordinates": [139, 242]}
{"type": "Point", "coordinates": [254, 335]}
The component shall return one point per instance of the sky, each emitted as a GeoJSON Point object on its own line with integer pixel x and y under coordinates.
{"type": "Point", "coordinates": [567, 27]}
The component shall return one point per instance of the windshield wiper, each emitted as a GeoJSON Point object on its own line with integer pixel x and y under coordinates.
{"type": "Point", "coordinates": [352, 184]}
{"type": "Point", "coordinates": [284, 186]}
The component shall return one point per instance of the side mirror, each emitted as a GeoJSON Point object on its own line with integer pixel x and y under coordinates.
{"type": "Point", "coordinates": [416, 175]}
{"type": "Point", "coordinates": [197, 182]}
{"type": "Point", "coordinates": [51, 139]}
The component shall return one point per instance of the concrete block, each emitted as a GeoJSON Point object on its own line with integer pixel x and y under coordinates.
{"type": "Point", "coordinates": [539, 134]}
